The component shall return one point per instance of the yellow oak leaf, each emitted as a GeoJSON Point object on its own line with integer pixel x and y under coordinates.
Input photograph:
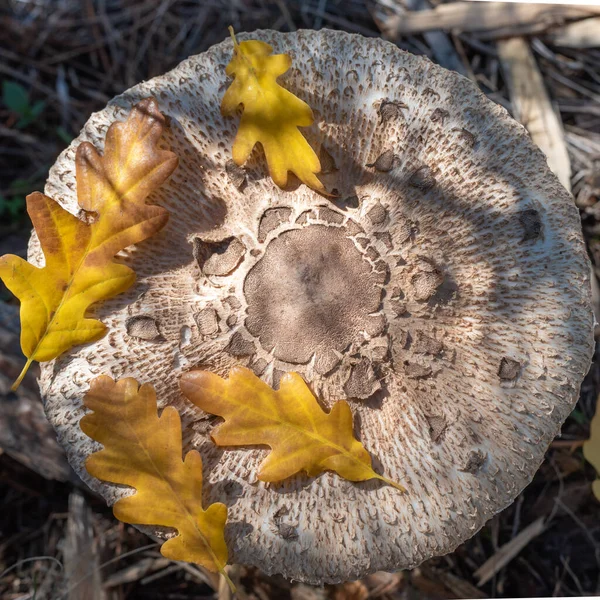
{"type": "Point", "coordinates": [591, 450]}
{"type": "Point", "coordinates": [79, 267]}
{"type": "Point", "coordinates": [301, 435]}
{"type": "Point", "coordinates": [144, 451]}
{"type": "Point", "coordinates": [271, 114]}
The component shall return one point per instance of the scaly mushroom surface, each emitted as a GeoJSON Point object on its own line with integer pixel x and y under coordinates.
{"type": "Point", "coordinates": [444, 291]}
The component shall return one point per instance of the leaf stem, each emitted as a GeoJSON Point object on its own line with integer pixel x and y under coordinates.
{"type": "Point", "coordinates": [226, 577]}
{"type": "Point", "coordinates": [390, 482]}
{"type": "Point", "coordinates": [19, 379]}
{"type": "Point", "coordinates": [232, 34]}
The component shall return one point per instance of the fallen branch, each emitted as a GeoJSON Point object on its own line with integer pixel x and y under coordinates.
{"type": "Point", "coordinates": [485, 16]}
{"type": "Point", "coordinates": [581, 34]}
{"type": "Point", "coordinates": [507, 552]}
{"type": "Point", "coordinates": [532, 107]}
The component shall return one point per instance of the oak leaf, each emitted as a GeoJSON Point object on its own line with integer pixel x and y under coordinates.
{"type": "Point", "coordinates": [144, 451]}
{"type": "Point", "coordinates": [591, 450]}
{"type": "Point", "coordinates": [301, 435]}
{"type": "Point", "coordinates": [271, 114]}
{"type": "Point", "coordinates": [79, 267]}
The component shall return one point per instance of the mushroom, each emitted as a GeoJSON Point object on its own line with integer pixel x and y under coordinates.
{"type": "Point", "coordinates": [444, 291]}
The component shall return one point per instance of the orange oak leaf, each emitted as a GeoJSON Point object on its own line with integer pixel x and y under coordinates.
{"type": "Point", "coordinates": [144, 451]}
{"type": "Point", "coordinates": [301, 435]}
{"type": "Point", "coordinates": [271, 114]}
{"type": "Point", "coordinates": [79, 257]}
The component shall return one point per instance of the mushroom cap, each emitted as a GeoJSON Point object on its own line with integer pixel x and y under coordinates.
{"type": "Point", "coordinates": [444, 291]}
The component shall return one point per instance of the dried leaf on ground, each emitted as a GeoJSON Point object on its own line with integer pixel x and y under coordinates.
{"type": "Point", "coordinates": [271, 114]}
{"type": "Point", "coordinates": [79, 257]}
{"type": "Point", "coordinates": [301, 435]}
{"type": "Point", "coordinates": [591, 450]}
{"type": "Point", "coordinates": [144, 451]}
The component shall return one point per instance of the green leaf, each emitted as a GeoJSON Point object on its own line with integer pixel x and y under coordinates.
{"type": "Point", "coordinates": [14, 207]}
{"type": "Point", "coordinates": [37, 108]}
{"type": "Point", "coordinates": [64, 135]}
{"type": "Point", "coordinates": [15, 96]}
{"type": "Point", "coordinates": [578, 417]}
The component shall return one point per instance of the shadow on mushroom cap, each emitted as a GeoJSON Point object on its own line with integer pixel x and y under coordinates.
{"type": "Point", "coordinates": [461, 377]}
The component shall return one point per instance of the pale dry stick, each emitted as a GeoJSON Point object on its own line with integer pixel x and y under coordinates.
{"type": "Point", "coordinates": [460, 50]}
{"type": "Point", "coordinates": [202, 574]}
{"type": "Point", "coordinates": [565, 562]}
{"type": "Point", "coordinates": [532, 107]}
{"type": "Point", "coordinates": [459, 587]}
{"type": "Point", "coordinates": [158, 15]}
{"type": "Point", "coordinates": [66, 594]}
{"type": "Point", "coordinates": [441, 47]}
{"type": "Point", "coordinates": [561, 489]}
{"type": "Point", "coordinates": [118, 35]}
{"type": "Point", "coordinates": [160, 574]}
{"type": "Point", "coordinates": [581, 34]}
{"type": "Point", "coordinates": [337, 20]}
{"type": "Point", "coordinates": [574, 86]}
{"type": "Point", "coordinates": [595, 544]}
{"type": "Point", "coordinates": [225, 592]}
{"type": "Point", "coordinates": [507, 552]}
{"type": "Point", "coordinates": [137, 571]}
{"type": "Point", "coordinates": [485, 16]}
{"type": "Point", "coordinates": [28, 560]}
{"type": "Point", "coordinates": [319, 20]}
{"type": "Point", "coordinates": [559, 60]}
{"type": "Point", "coordinates": [285, 13]}
{"type": "Point", "coordinates": [80, 553]}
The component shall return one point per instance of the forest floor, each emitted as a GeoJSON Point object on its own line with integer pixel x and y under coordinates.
{"type": "Point", "coordinates": [60, 61]}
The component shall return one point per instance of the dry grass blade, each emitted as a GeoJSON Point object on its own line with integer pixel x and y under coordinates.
{"type": "Point", "coordinates": [532, 107]}
{"type": "Point", "coordinates": [507, 552]}
{"type": "Point", "coordinates": [482, 16]}
{"type": "Point", "coordinates": [459, 587]}
{"type": "Point", "coordinates": [136, 571]}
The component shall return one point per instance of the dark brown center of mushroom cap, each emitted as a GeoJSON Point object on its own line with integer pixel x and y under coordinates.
{"type": "Point", "coordinates": [311, 291]}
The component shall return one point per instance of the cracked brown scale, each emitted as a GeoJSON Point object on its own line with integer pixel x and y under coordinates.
{"type": "Point", "coordinates": [509, 369]}
{"type": "Point", "coordinates": [207, 321]}
{"type": "Point", "coordinates": [439, 115]}
{"type": "Point", "coordinates": [464, 135]}
{"type": "Point", "coordinates": [532, 224]}
{"type": "Point", "coordinates": [236, 174]}
{"type": "Point", "coordinates": [377, 214]}
{"type": "Point", "coordinates": [437, 427]}
{"type": "Point", "coordinates": [389, 110]}
{"type": "Point", "coordinates": [474, 300]}
{"type": "Point", "coordinates": [271, 219]}
{"type": "Point", "coordinates": [143, 328]}
{"type": "Point", "coordinates": [385, 162]}
{"type": "Point", "coordinates": [327, 162]}
{"type": "Point", "coordinates": [422, 179]}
